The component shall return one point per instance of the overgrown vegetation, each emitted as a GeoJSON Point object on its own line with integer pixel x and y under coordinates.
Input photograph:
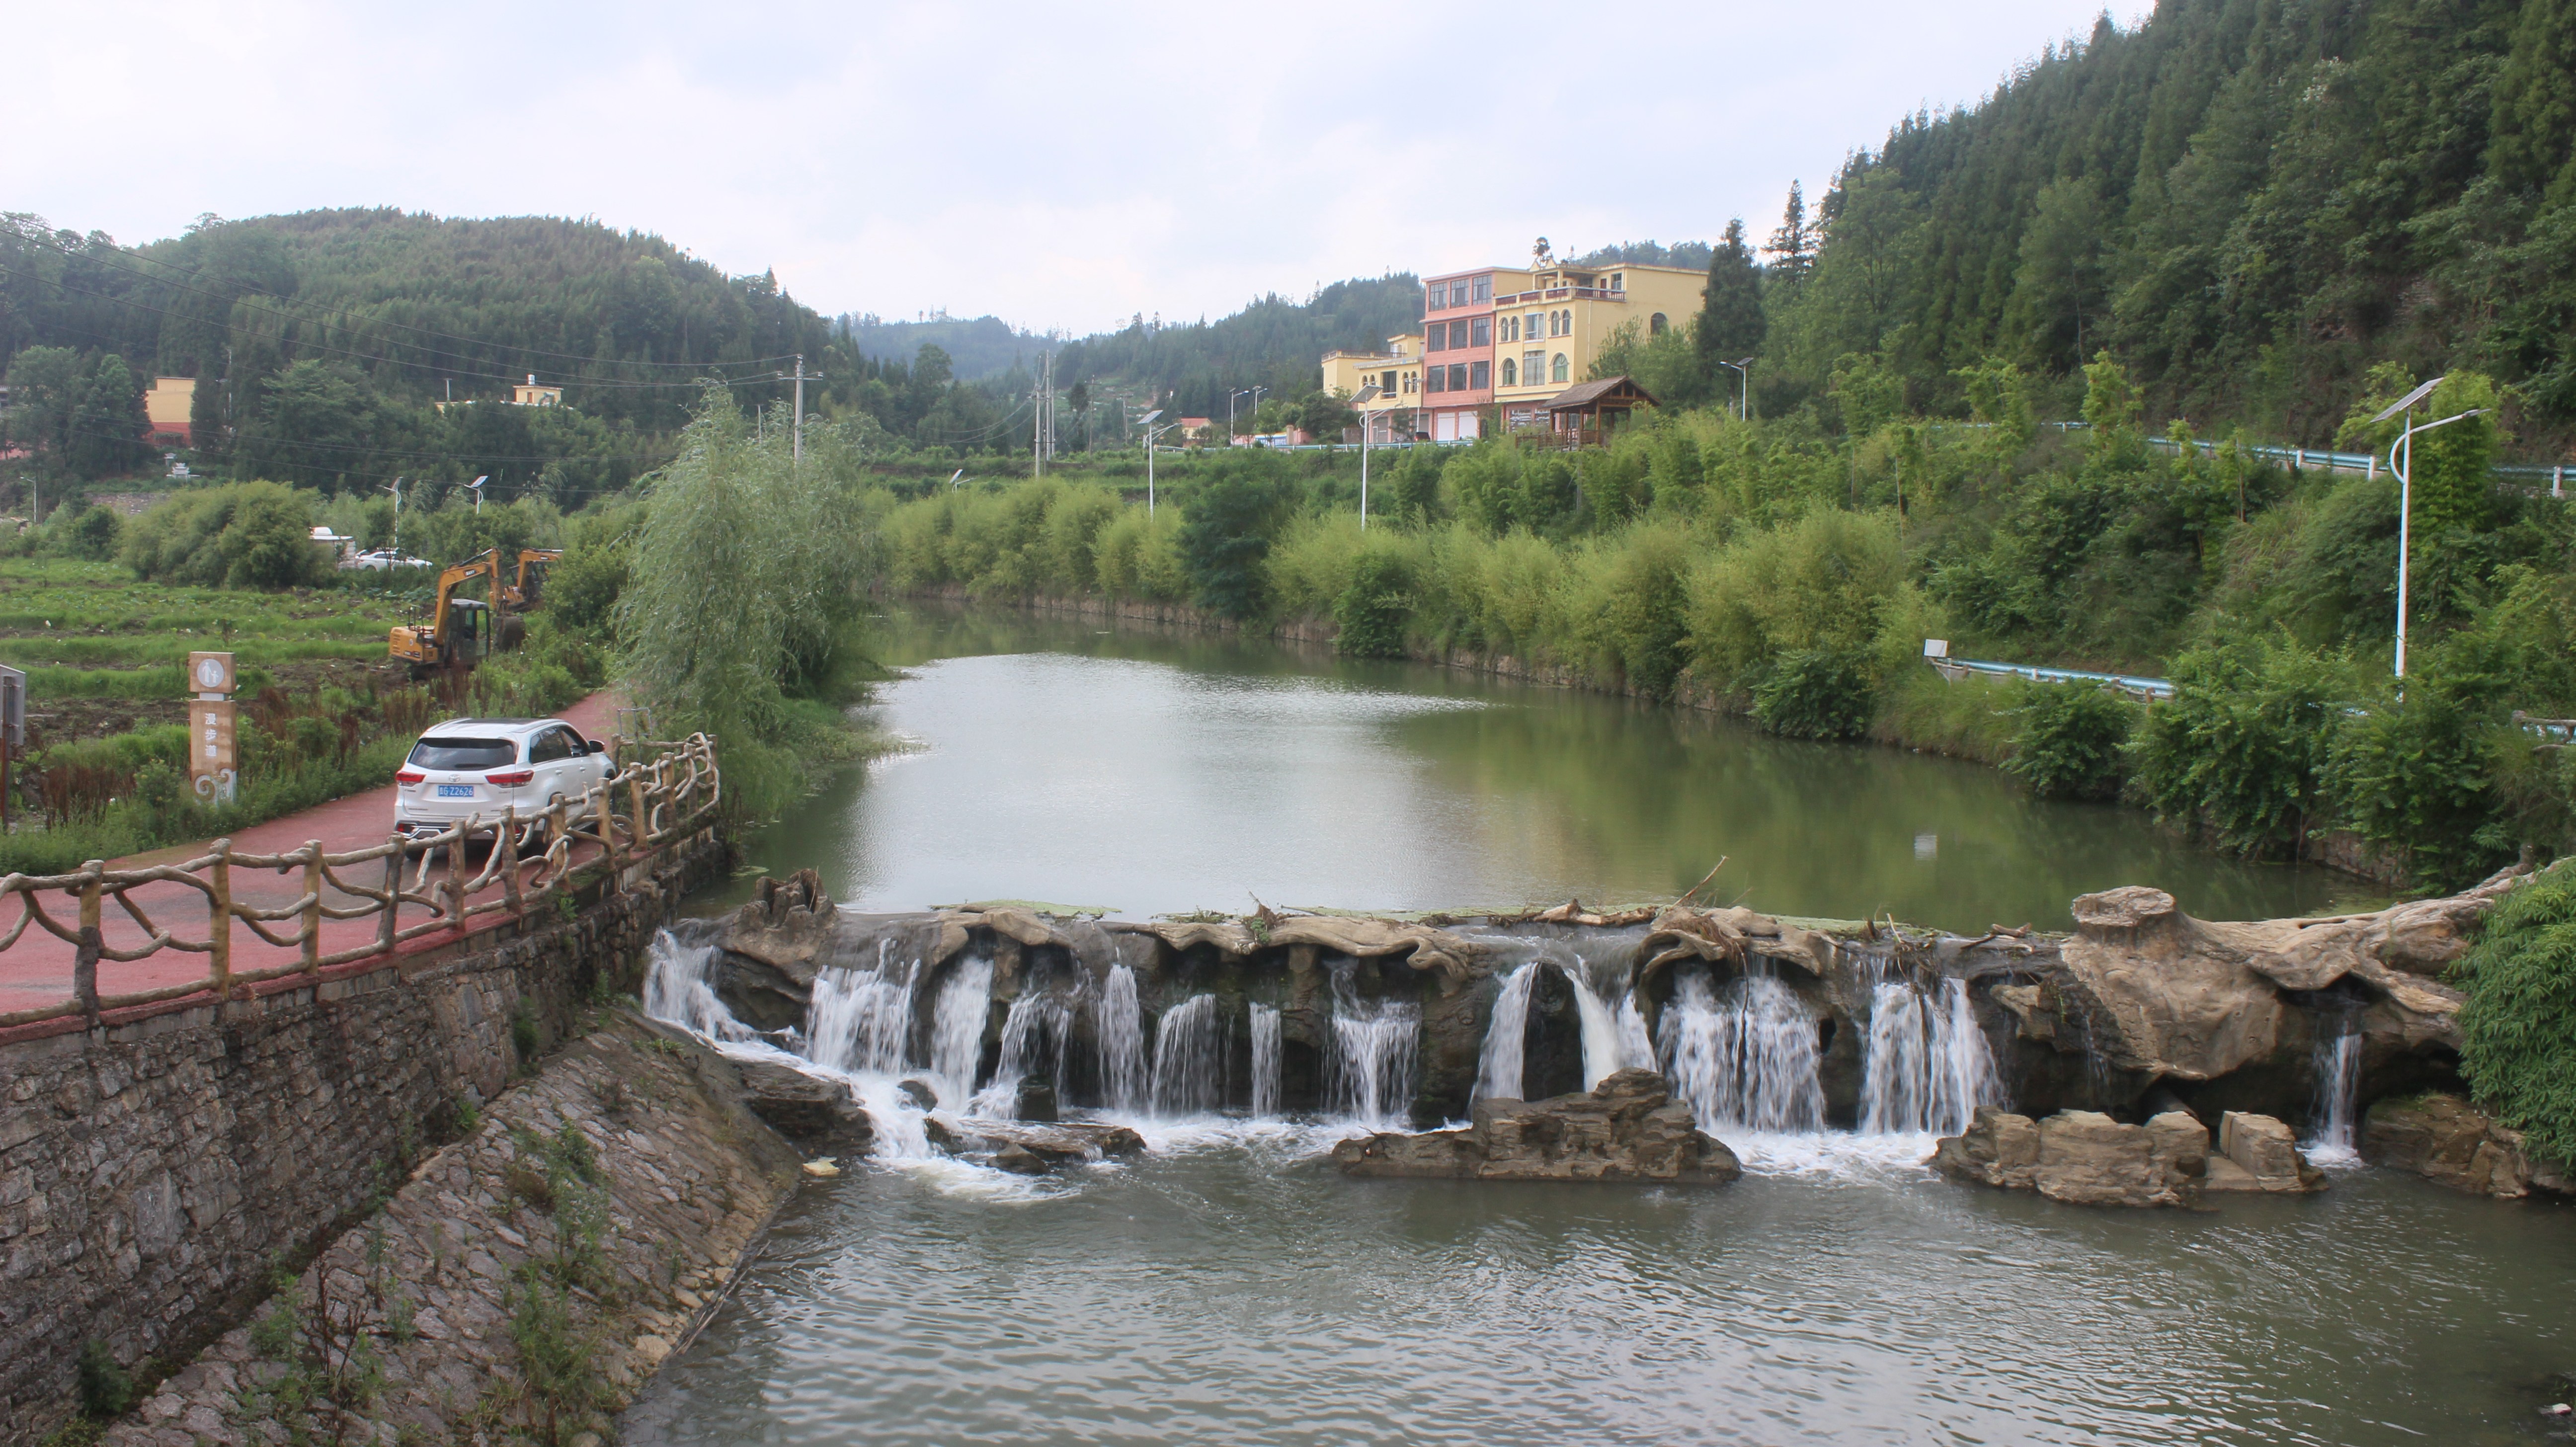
{"type": "Point", "coordinates": [2518, 1026]}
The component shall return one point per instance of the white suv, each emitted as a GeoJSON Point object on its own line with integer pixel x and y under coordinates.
{"type": "Point", "coordinates": [471, 768]}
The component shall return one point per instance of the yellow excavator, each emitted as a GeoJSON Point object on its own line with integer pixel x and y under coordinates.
{"type": "Point", "coordinates": [455, 635]}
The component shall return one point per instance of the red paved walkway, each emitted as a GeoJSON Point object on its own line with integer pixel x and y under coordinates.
{"type": "Point", "coordinates": [37, 970]}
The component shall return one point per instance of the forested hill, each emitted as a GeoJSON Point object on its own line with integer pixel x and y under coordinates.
{"type": "Point", "coordinates": [982, 347]}
{"type": "Point", "coordinates": [414, 306]}
{"type": "Point", "coordinates": [2250, 202]}
{"type": "Point", "coordinates": [1273, 342]}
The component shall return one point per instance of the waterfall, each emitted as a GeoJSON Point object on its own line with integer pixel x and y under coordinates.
{"type": "Point", "coordinates": [678, 990]}
{"type": "Point", "coordinates": [2337, 1061]}
{"type": "Point", "coordinates": [1498, 1065]}
{"type": "Point", "coordinates": [1120, 1026]}
{"type": "Point", "coordinates": [1265, 1060]}
{"type": "Point", "coordinates": [861, 1020]}
{"type": "Point", "coordinates": [1635, 1046]}
{"type": "Point", "coordinates": [1036, 1021]}
{"type": "Point", "coordinates": [1373, 1052]}
{"type": "Point", "coordinates": [957, 1029]}
{"type": "Point", "coordinates": [1189, 1059]}
{"type": "Point", "coordinates": [1601, 1053]}
{"type": "Point", "coordinates": [1927, 1068]}
{"type": "Point", "coordinates": [1747, 1060]}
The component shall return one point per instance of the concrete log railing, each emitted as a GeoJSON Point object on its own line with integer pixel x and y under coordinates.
{"type": "Point", "coordinates": [649, 802]}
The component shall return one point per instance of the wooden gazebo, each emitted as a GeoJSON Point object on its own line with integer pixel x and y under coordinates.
{"type": "Point", "coordinates": [1583, 415]}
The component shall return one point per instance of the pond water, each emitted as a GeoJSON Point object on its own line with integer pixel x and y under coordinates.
{"type": "Point", "coordinates": [1148, 772]}
{"type": "Point", "coordinates": [1230, 1287]}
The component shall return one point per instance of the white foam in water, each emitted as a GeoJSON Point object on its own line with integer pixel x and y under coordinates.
{"type": "Point", "coordinates": [1189, 1059]}
{"type": "Point", "coordinates": [1601, 1052]}
{"type": "Point", "coordinates": [1120, 1025]}
{"type": "Point", "coordinates": [1928, 1067]}
{"type": "Point", "coordinates": [1745, 1060]}
{"type": "Point", "coordinates": [1498, 1064]}
{"type": "Point", "coordinates": [1265, 1060]}
{"type": "Point", "coordinates": [2337, 1061]}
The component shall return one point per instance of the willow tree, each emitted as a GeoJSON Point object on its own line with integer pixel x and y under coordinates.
{"type": "Point", "coordinates": [747, 572]}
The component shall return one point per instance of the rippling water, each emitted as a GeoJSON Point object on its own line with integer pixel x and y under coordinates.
{"type": "Point", "coordinates": [1243, 1294]}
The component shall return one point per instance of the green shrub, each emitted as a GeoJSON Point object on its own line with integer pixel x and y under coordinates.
{"type": "Point", "coordinates": [2242, 748]}
{"type": "Point", "coordinates": [1373, 610]}
{"type": "Point", "coordinates": [1815, 693]}
{"type": "Point", "coordinates": [2518, 1025]}
{"type": "Point", "coordinates": [240, 535]}
{"type": "Point", "coordinates": [2069, 744]}
{"type": "Point", "coordinates": [1226, 536]}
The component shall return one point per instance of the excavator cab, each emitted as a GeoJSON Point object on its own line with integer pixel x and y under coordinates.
{"type": "Point", "coordinates": [462, 630]}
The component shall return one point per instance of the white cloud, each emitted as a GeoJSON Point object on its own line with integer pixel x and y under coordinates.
{"type": "Point", "coordinates": [1062, 166]}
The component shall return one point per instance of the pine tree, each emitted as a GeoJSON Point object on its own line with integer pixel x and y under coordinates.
{"type": "Point", "coordinates": [1731, 323]}
{"type": "Point", "coordinates": [1793, 246]}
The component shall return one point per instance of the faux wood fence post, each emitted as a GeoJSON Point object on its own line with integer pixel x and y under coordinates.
{"type": "Point", "coordinates": [85, 956]}
{"type": "Point", "coordinates": [456, 876]}
{"type": "Point", "coordinates": [219, 920]}
{"type": "Point", "coordinates": [313, 909]}
{"type": "Point", "coordinates": [509, 843]}
{"type": "Point", "coordinates": [639, 823]}
{"type": "Point", "coordinates": [393, 891]}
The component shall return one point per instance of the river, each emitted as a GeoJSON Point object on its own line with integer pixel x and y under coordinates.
{"type": "Point", "coordinates": [1230, 1287]}
{"type": "Point", "coordinates": [1149, 771]}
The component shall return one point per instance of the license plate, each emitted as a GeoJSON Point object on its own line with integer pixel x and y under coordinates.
{"type": "Point", "coordinates": [456, 791]}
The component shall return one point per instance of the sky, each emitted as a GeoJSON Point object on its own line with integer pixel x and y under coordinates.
{"type": "Point", "coordinates": [1063, 167]}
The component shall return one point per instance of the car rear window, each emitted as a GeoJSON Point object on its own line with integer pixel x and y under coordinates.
{"type": "Point", "coordinates": [464, 753]}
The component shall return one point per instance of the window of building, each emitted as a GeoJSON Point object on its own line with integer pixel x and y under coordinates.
{"type": "Point", "coordinates": [1537, 327]}
{"type": "Point", "coordinates": [1557, 369]}
{"type": "Point", "coordinates": [1509, 373]}
{"type": "Point", "coordinates": [1412, 381]}
{"type": "Point", "coordinates": [1457, 376]}
{"type": "Point", "coordinates": [1386, 382]}
{"type": "Point", "coordinates": [1656, 325]}
{"type": "Point", "coordinates": [1439, 338]}
{"type": "Point", "coordinates": [1533, 368]}
{"type": "Point", "coordinates": [1480, 332]}
{"type": "Point", "coordinates": [1619, 283]}
{"type": "Point", "coordinates": [1484, 288]}
{"type": "Point", "coordinates": [1480, 375]}
{"type": "Point", "coordinates": [1434, 379]}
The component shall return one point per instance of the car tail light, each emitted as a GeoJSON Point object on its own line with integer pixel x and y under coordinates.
{"type": "Point", "coordinates": [521, 777]}
{"type": "Point", "coordinates": [406, 776]}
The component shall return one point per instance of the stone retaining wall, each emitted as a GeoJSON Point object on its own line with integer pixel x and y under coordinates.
{"type": "Point", "coordinates": [152, 1172]}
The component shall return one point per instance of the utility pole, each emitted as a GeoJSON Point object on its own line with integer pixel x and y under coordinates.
{"type": "Point", "coordinates": [798, 446]}
{"type": "Point", "coordinates": [396, 490]}
{"type": "Point", "coordinates": [1042, 425]}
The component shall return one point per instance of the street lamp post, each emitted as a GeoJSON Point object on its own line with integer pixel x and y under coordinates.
{"type": "Point", "coordinates": [1744, 388]}
{"type": "Point", "coordinates": [1152, 432]}
{"type": "Point", "coordinates": [1368, 431]}
{"type": "Point", "coordinates": [2401, 460]}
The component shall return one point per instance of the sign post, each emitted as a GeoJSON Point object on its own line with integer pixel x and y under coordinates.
{"type": "Point", "coordinates": [213, 761]}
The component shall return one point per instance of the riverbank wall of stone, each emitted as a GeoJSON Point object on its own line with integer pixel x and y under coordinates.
{"type": "Point", "coordinates": [2335, 849]}
{"type": "Point", "coordinates": [526, 1281]}
{"type": "Point", "coordinates": [156, 1168]}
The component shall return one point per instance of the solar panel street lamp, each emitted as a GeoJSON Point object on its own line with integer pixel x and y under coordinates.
{"type": "Point", "coordinates": [477, 485]}
{"type": "Point", "coordinates": [2401, 460]}
{"type": "Point", "coordinates": [1152, 432]}
{"type": "Point", "coordinates": [1368, 429]}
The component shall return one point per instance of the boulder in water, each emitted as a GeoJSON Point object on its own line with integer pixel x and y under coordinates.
{"type": "Point", "coordinates": [2452, 1143]}
{"type": "Point", "coordinates": [2259, 1153]}
{"type": "Point", "coordinates": [1019, 1160]}
{"type": "Point", "coordinates": [804, 1107]}
{"type": "Point", "coordinates": [1035, 1101]}
{"type": "Point", "coordinates": [1628, 1128]}
{"type": "Point", "coordinates": [2081, 1157]}
{"type": "Point", "coordinates": [918, 1092]}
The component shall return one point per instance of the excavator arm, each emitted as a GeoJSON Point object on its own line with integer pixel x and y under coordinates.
{"type": "Point", "coordinates": [428, 645]}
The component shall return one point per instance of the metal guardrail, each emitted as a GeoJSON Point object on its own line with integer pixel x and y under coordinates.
{"type": "Point", "coordinates": [666, 797]}
{"type": "Point", "coordinates": [2150, 689]}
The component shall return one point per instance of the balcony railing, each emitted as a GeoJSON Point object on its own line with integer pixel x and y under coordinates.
{"type": "Point", "coordinates": [1562, 293]}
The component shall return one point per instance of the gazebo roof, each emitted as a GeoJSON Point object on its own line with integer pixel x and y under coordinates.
{"type": "Point", "coordinates": [1583, 396]}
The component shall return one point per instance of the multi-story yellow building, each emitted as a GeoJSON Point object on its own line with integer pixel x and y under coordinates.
{"type": "Point", "coordinates": [1395, 372]}
{"type": "Point", "coordinates": [1547, 334]}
